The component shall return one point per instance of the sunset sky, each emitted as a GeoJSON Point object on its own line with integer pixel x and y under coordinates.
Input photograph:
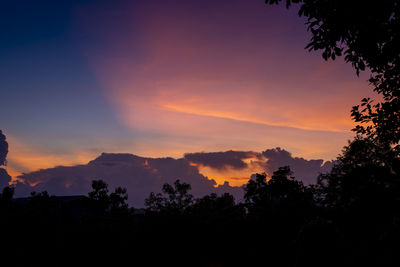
{"type": "Point", "coordinates": [163, 78]}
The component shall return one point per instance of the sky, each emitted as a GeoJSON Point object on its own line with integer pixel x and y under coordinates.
{"type": "Point", "coordinates": [161, 78]}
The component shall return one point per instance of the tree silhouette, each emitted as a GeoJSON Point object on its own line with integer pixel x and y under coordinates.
{"type": "Point", "coordinates": [7, 195]}
{"type": "Point", "coordinates": [174, 198]}
{"type": "Point", "coordinates": [280, 192]}
{"type": "Point", "coordinates": [104, 202]}
{"type": "Point", "coordinates": [99, 195]}
{"type": "Point", "coordinates": [277, 209]}
{"type": "Point", "coordinates": [361, 196]}
{"type": "Point", "coordinates": [6, 200]}
{"type": "Point", "coordinates": [5, 178]}
{"type": "Point", "coordinates": [216, 209]}
{"type": "Point", "coordinates": [367, 173]}
{"type": "Point", "coordinates": [367, 33]}
{"type": "Point", "coordinates": [3, 148]}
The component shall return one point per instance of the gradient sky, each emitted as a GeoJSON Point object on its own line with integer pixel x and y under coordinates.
{"type": "Point", "coordinates": [165, 77]}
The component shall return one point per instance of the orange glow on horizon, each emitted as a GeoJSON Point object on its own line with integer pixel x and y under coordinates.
{"type": "Point", "coordinates": [24, 158]}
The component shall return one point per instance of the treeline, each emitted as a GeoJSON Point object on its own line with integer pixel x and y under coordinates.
{"type": "Point", "coordinates": [350, 217]}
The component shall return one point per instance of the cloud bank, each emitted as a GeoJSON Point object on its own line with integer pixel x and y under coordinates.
{"type": "Point", "coordinates": [138, 174]}
{"type": "Point", "coordinates": [142, 175]}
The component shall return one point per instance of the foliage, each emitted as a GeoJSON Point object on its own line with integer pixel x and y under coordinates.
{"type": "Point", "coordinates": [367, 173]}
{"type": "Point", "coordinates": [367, 33]}
{"type": "Point", "coordinates": [282, 191]}
{"type": "Point", "coordinates": [174, 198]}
{"type": "Point", "coordinates": [362, 196]}
{"type": "Point", "coordinates": [105, 202]}
{"type": "Point", "coordinates": [3, 148]}
{"type": "Point", "coordinates": [213, 208]}
{"type": "Point", "coordinates": [7, 195]}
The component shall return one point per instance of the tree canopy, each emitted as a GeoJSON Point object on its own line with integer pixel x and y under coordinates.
{"type": "Point", "coordinates": [173, 199]}
{"type": "Point", "coordinates": [367, 34]}
{"type": "Point", "coordinates": [102, 201]}
{"type": "Point", "coordinates": [3, 148]}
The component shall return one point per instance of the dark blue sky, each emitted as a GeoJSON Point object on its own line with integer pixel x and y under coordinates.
{"type": "Point", "coordinates": [45, 81]}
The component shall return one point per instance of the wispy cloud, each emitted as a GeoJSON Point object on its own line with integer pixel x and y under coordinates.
{"type": "Point", "coordinates": [194, 74]}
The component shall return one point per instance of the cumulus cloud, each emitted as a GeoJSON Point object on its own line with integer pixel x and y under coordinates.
{"type": "Point", "coordinates": [304, 170]}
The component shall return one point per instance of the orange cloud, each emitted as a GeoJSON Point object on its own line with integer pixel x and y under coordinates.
{"type": "Point", "coordinates": [234, 176]}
